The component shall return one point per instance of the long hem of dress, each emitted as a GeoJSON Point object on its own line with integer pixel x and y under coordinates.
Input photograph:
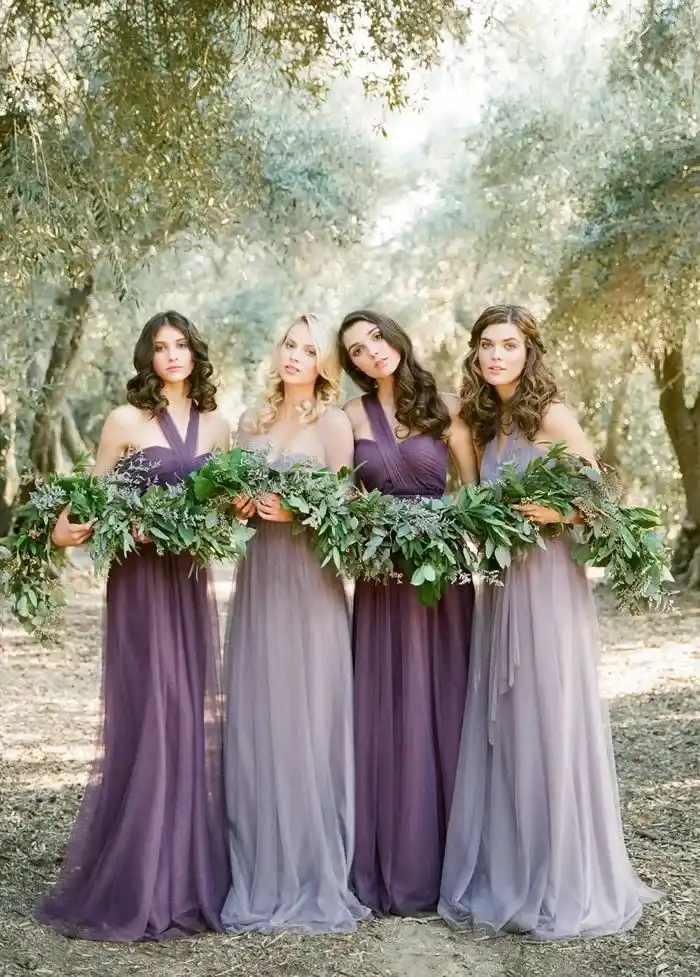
{"type": "Point", "coordinates": [341, 917]}
{"type": "Point", "coordinates": [391, 904]}
{"type": "Point", "coordinates": [545, 929]}
{"type": "Point", "coordinates": [183, 927]}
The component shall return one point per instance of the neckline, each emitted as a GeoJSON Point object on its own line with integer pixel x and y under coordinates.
{"type": "Point", "coordinates": [269, 445]}
{"type": "Point", "coordinates": [380, 425]}
{"type": "Point", "coordinates": [513, 438]}
{"type": "Point", "coordinates": [399, 444]}
{"type": "Point", "coordinates": [183, 447]}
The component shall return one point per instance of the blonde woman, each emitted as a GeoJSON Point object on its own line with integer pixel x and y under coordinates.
{"type": "Point", "coordinates": [288, 674]}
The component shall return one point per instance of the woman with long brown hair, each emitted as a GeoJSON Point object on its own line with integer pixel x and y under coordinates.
{"type": "Point", "coordinates": [410, 660]}
{"type": "Point", "coordinates": [288, 672]}
{"type": "Point", "coordinates": [535, 839]}
{"type": "Point", "coordinates": [147, 857]}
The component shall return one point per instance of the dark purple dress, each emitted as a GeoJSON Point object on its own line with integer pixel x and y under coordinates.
{"type": "Point", "coordinates": [147, 858]}
{"type": "Point", "coordinates": [411, 665]}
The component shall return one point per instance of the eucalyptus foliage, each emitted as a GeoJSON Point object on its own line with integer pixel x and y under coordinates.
{"type": "Point", "coordinates": [430, 543]}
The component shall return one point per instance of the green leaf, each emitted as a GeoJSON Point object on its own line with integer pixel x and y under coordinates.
{"type": "Point", "coordinates": [418, 576]}
{"type": "Point", "coordinates": [502, 555]}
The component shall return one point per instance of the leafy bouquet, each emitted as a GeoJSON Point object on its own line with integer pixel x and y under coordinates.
{"type": "Point", "coordinates": [370, 536]}
{"type": "Point", "coordinates": [30, 566]}
{"type": "Point", "coordinates": [116, 503]}
{"type": "Point", "coordinates": [207, 532]}
{"type": "Point", "coordinates": [624, 540]}
{"type": "Point", "coordinates": [239, 471]}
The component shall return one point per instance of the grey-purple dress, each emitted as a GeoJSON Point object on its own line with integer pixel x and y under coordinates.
{"type": "Point", "coordinates": [535, 839]}
{"type": "Point", "coordinates": [411, 665]}
{"type": "Point", "coordinates": [147, 858]}
{"type": "Point", "coordinates": [288, 742]}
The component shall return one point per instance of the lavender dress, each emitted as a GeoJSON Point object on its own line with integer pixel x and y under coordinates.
{"type": "Point", "coordinates": [288, 742]}
{"type": "Point", "coordinates": [411, 666]}
{"type": "Point", "coordinates": [147, 858]}
{"type": "Point", "coordinates": [535, 839]}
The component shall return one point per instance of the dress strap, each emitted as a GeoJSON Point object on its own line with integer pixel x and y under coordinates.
{"type": "Point", "coordinates": [396, 469]}
{"type": "Point", "coordinates": [186, 449]}
{"type": "Point", "coordinates": [192, 438]}
{"type": "Point", "coordinates": [378, 421]}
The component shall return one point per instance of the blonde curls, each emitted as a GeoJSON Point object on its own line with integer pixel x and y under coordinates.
{"type": "Point", "coordinates": [327, 388]}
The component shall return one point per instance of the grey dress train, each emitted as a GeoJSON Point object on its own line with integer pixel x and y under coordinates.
{"type": "Point", "coordinates": [288, 753]}
{"type": "Point", "coordinates": [535, 840]}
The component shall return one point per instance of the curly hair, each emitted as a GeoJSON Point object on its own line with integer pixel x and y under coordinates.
{"type": "Point", "coordinates": [419, 406]}
{"type": "Point", "coordinates": [145, 390]}
{"type": "Point", "coordinates": [481, 407]}
{"type": "Point", "coordinates": [327, 386]}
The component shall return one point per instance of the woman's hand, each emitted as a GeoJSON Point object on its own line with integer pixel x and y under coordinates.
{"type": "Point", "coordinates": [67, 533]}
{"type": "Point", "coordinates": [244, 506]}
{"type": "Point", "coordinates": [269, 507]}
{"type": "Point", "coordinates": [540, 514]}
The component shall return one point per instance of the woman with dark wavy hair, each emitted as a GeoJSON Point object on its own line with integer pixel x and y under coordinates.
{"type": "Point", "coordinates": [535, 839]}
{"type": "Point", "coordinates": [411, 661]}
{"type": "Point", "coordinates": [148, 858]}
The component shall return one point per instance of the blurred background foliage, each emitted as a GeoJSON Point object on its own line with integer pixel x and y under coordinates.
{"type": "Point", "coordinates": [243, 162]}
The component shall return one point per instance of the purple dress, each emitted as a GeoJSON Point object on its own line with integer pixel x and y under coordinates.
{"type": "Point", "coordinates": [411, 665]}
{"type": "Point", "coordinates": [147, 858]}
{"type": "Point", "coordinates": [535, 840]}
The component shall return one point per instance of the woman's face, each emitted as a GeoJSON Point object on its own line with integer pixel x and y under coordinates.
{"type": "Point", "coordinates": [297, 359]}
{"type": "Point", "coordinates": [369, 351]}
{"type": "Point", "coordinates": [502, 354]}
{"type": "Point", "coordinates": [173, 361]}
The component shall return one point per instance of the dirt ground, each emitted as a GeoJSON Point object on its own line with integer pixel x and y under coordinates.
{"type": "Point", "coordinates": [651, 674]}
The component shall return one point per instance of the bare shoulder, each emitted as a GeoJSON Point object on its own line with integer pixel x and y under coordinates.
{"type": "Point", "coordinates": [336, 422]}
{"type": "Point", "coordinates": [126, 418]}
{"type": "Point", "coordinates": [561, 424]}
{"type": "Point", "coordinates": [246, 422]}
{"type": "Point", "coordinates": [355, 411]}
{"type": "Point", "coordinates": [218, 429]}
{"type": "Point", "coordinates": [353, 407]}
{"type": "Point", "coordinates": [452, 403]}
{"type": "Point", "coordinates": [559, 420]}
{"type": "Point", "coordinates": [217, 421]}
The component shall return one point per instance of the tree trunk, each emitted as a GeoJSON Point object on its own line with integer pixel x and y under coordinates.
{"type": "Point", "coordinates": [683, 426]}
{"type": "Point", "coordinates": [9, 478]}
{"type": "Point", "coordinates": [71, 438]}
{"type": "Point", "coordinates": [610, 455]}
{"type": "Point", "coordinates": [45, 447]}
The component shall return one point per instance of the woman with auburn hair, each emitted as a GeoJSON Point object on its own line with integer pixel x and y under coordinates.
{"type": "Point", "coordinates": [411, 661]}
{"type": "Point", "coordinates": [535, 839]}
{"type": "Point", "coordinates": [288, 673]}
{"type": "Point", "coordinates": [147, 857]}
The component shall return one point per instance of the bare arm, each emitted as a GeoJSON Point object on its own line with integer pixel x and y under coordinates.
{"type": "Point", "coordinates": [461, 444]}
{"type": "Point", "coordinates": [244, 431]}
{"type": "Point", "coordinates": [243, 504]}
{"type": "Point", "coordinates": [560, 424]}
{"type": "Point", "coordinates": [114, 441]}
{"type": "Point", "coordinates": [222, 433]}
{"type": "Point", "coordinates": [339, 443]}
